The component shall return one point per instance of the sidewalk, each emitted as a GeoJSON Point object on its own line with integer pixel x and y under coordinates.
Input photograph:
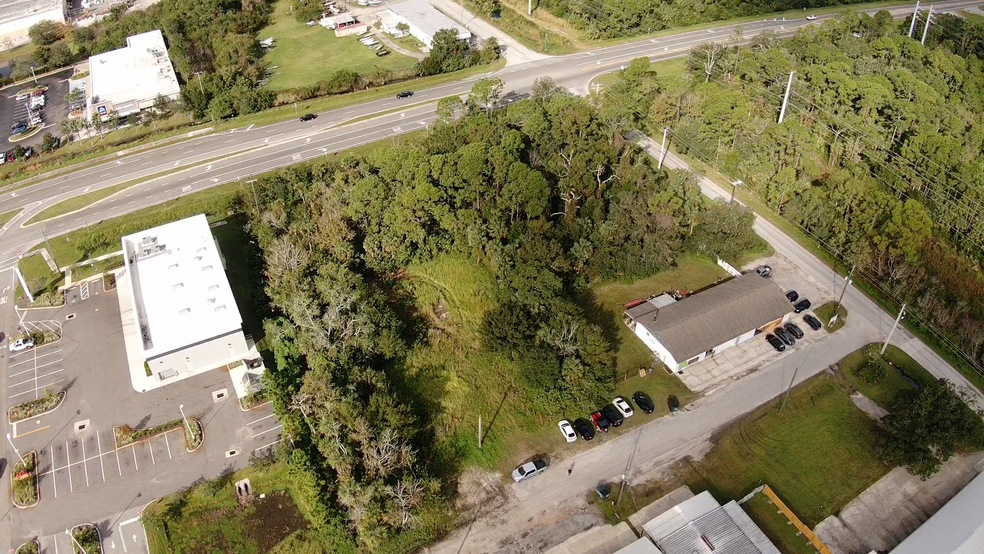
{"type": "Point", "coordinates": [515, 52]}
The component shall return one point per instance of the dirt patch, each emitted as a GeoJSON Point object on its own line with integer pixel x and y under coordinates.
{"type": "Point", "coordinates": [480, 492]}
{"type": "Point", "coordinates": [270, 520]}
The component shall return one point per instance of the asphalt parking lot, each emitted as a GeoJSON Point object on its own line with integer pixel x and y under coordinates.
{"type": "Point", "coordinates": [55, 108]}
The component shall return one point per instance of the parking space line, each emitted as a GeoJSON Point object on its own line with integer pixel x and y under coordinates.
{"type": "Point", "coordinates": [85, 466]}
{"type": "Point", "coordinates": [30, 370]}
{"type": "Point", "coordinates": [169, 457]}
{"type": "Point", "coordinates": [36, 377]}
{"type": "Point", "coordinates": [68, 464]}
{"type": "Point", "coordinates": [101, 467]}
{"type": "Point", "coordinates": [38, 356]}
{"type": "Point", "coordinates": [118, 466]}
{"type": "Point", "coordinates": [151, 448]}
{"type": "Point", "coordinates": [261, 419]}
{"type": "Point", "coordinates": [133, 447]}
{"type": "Point", "coordinates": [266, 445]}
{"type": "Point", "coordinates": [32, 390]}
{"type": "Point", "coordinates": [267, 431]}
{"type": "Point", "coordinates": [54, 479]}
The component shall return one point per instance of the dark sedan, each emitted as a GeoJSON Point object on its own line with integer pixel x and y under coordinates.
{"type": "Point", "coordinates": [785, 337]}
{"type": "Point", "coordinates": [612, 414]}
{"type": "Point", "coordinates": [794, 330]}
{"type": "Point", "coordinates": [584, 428]}
{"type": "Point", "coordinates": [792, 296]}
{"type": "Point", "coordinates": [308, 117]}
{"type": "Point", "coordinates": [776, 343]}
{"type": "Point", "coordinates": [405, 94]}
{"type": "Point", "coordinates": [813, 322]}
{"type": "Point", "coordinates": [645, 403]}
{"type": "Point", "coordinates": [802, 306]}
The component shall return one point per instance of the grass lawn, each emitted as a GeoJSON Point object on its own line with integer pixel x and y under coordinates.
{"type": "Point", "coordinates": [7, 216]}
{"type": "Point", "coordinates": [884, 391]}
{"type": "Point", "coordinates": [535, 33]}
{"type": "Point", "coordinates": [77, 202]}
{"type": "Point", "coordinates": [671, 73]}
{"type": "Point", "coordinates": [306, 55]}
{"type": "Point", "coordinates": [817, 456]}
{"type": "Point", "coordinates": [24, 51]}
{"type": "Point", "coordinates": [102, 266]}
{"type": "Point", "coordinates": [826, 311]}
{"type": "Point", "coordinates": [38, 276]}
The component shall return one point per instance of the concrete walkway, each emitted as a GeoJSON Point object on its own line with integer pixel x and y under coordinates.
{"type": "Point", "coordinates": [515, 52]}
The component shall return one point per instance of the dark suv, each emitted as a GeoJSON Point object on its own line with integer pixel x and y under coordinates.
{"type": "Point", "coordinates": [784, 336]}
{"type": "Point", "coordinates": [776, 343]}
{"type": "Point", "coordinates": [802, 306]}
{"type": "Point", "coordinates": [794, 330]}
{"type": "Point", "coordinates": [405, 94]}
{"type": "Point", "coordinates": [612, 414]}
{"type": "Point", "coordinates": [813, 322]}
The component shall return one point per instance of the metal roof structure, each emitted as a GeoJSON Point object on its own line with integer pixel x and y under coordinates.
{"type": "Point", "coordinates": [714, 316]}
{"type": "Point", "coordinates": [700, 525]}
{"type": "Point", "coordinates": [957, 528]}
{"type": "Point", "coordinates": [427, 18]}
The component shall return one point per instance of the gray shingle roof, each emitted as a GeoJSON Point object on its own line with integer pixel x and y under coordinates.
{"type": "Point", "coordinates": [713, 316]}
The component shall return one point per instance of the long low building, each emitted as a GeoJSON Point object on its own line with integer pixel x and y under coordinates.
{"type": "Point", "coordinates": [129, 79]}
{"type": "Point", "coordinates": [422, 20]}
{"type": "Point", "coordinates": [182, 318]}
{"type": "Point", "coordinates": [684, 332]}
{"type": "Point", "coordinates": [17, 17]}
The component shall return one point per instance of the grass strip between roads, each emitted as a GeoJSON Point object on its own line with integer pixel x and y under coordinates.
{"type": "Point", "coordinates": [7, 216]}
{"type": "Point", "coordinates": [77, 202]}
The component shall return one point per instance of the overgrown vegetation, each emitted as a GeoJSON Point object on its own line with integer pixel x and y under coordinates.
{"type": "Point", "coordinates": [24, 477]}
{"type": "Point", "coordinates": [29, 547]}
{"type": "Point", "coordinates": [86, 539]}
{"type": "Point", "coordinates": [875, 159]}
{"type": "Point", "coordinates": [31, 408]}
{"type": "Point", "coordinates": [125, 434]}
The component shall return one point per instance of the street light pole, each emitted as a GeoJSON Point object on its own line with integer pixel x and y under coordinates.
{"type": "Point", "coordinates": [67, 532]}
{"type": "Point", "coordinates": [734, 189]}
{"type": "Point", "coordinates": [23, 463]}
{"type": "Point", "coordinates": [187, 425]}
{"type": "Point", "coordinates": [887, 339]}
{"type": "Point", "coordinates": [35, 77]}
{"type": "Point", "coordinates": [662, 149]}
{"type": "Point", "coordinates": [847, 281]}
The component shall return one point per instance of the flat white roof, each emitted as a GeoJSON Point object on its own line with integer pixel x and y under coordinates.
{"type": "Point", "coordinates": [425, 17]}
{"type": "Point", "coordinates": [136, 73]}
{"type": "Point", "coordinates": [958, 528]}
{"type": "Point", "coordinates": [181, 293]}
{"type": "Point", "coordinates": [12, 10]}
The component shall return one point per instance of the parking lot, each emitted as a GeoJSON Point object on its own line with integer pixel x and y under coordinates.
{"type": "Point", "coordinates": [31, 371]}
{"type": "Point", "coordinates": [55, 109]}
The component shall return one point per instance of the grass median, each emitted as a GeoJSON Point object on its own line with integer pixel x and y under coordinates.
{"type": "Point", "coordinates": [7, 216]}
{"type": "Point", "coordinates": [76, 203]}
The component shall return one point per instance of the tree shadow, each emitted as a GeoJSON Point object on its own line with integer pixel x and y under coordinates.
{"type": "Point", "coordinates": [596, 313]}
{"type": "Point", "coordinates": [498, 409]}
{"type": "Point", "coordinates": [69, 385]}
{"type": "Point", "coordinates": [143, 422]}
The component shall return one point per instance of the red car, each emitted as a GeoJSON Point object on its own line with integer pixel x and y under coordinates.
{"type": "Point", "coordinates": [600, 421]}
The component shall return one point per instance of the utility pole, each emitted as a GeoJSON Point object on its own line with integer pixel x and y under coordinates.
{"type": "Point", "coordinates": [480, 430]}
{"type": "Point", "coordinates": [847, 281]}
{"type": "Point", "coordinates": [788, 389]}
{"type": "Point", "coordinates": [912, 24]}
{"type": "Point", "coordinates": [662, 152]}
{"type": "Point", "coordinates": [785, 99]}
{"type": "Point", "coordinates": [256, 203]}
{"type": "Point", "coordinates": [529, 8]}
{"type": "Point", "coordinates": [892, 332]}
{"type": "Point", "coordinates": [50, 251]}
{"type": "Point", "coordinates": [734, 188]}
{"type": "Point", "coordinates": [33, 76]}
{"type": "Point", "coordinates": [929, 17]}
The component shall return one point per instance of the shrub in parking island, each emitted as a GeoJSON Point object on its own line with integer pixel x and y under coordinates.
{"type": "Point", "coordinates": [48, 300]}
{"type": "Point", "coordinates": [125, 434]}
{"type": "Point", "coordinates": [31, 408]}
{"type": "Point", "coordinates": [24, 480]}
{"type": "Point", "coordinates": [29, 547]}
{"type": "Point", "coordinates": [86, 536]}
{"type": "Point", "coordinates": [194, 434]}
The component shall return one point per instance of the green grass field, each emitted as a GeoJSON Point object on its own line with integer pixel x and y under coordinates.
{"type": "Point", "coordinates": [77, 203]}
{"type": "Point", "coordinates": [826, 311]}
{"type": "Point", "coordinates": [7, 216]}
{"type": "Point", "coordinates": [883, 392]}
{"type": "Point", "coordinates": [306, 55]}
{"type": "Point", "coordinates": [38, 275]}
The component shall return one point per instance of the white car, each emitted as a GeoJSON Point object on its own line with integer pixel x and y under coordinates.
{"type": "Point", "coordinates": [567, 430]}
{"type": "Point", "coordinates": [811, 17]}
{"type": "Point", "coordinates": [623, 406]}
{"type": "Point", "coordinates": [530, 469]}
{"type": "Point", "coordinates": [37, 102]}
{"type": "Point", "coordinates": [21, 344]}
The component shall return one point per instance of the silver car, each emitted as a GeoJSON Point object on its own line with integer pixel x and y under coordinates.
{"type": "Point", "coordinates": [529, 469]}
{"type": "Point", "coordinates": [22, 343]}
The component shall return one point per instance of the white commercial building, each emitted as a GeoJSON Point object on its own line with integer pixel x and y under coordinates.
{"type": "Point", "coordinates": [17, 16]}
{"type": "Point", "coordinates": [958, 528]}
{"type": "Point", "coordinates": [423, 20]}
{"type": "Point", "coordinates": [129, 79]}
{"type": "Point", "coordinates": [179, 314]}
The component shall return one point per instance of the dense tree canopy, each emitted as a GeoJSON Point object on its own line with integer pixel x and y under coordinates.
{"type": "Point", "coordinates": [544, 194]}
{"type": "Point", "coordinates": [879, 157]}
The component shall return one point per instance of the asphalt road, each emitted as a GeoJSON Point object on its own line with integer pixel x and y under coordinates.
{"type": "Point", "coordinates": [205, 161]}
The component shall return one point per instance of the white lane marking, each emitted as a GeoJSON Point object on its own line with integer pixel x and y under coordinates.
{"type": "Point", "coordinates": [54, 481]}
{"type": "Point", "coordinates": [266, 445]}
{"type": "Point", "coordinates": [169, 457]}
{"type": "Point", "coordinates": [261, 419]}
{"type": "Point", "coordinates": [68, 462]}
{"type": "Point", "coordinates": [151, 448]}
{"type": "Point", "coordinates": [133, 447]}
{"type": "Point", "coordinates": [101, 466]}
{"type": "Point", "coordinates": [267, 431]}
{"type": "Point", "coordinates": [85, 466]}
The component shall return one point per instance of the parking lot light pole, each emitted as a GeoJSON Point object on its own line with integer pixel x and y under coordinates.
{"type": "Point", "coordinates": [735, 184]}
{"type": "Point", "coordinates": [23, 463]}
{"type": "Point", "coordinates": [67, 532]}
{"type": "Point", "coordinates": [185, 419]}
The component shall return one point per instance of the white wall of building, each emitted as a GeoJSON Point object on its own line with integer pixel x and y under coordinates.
{"type": "Point", "coordinates": [206, 355]}
{"type": "Point", "coordinates": [661, 352]}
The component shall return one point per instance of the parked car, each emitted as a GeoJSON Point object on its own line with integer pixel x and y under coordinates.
{"type": "Point", "coordinates": [382, 52]}
{"type": "Point", "coordinates": [763, 270]}
{"type": "Point", "coordinates": [3, 157]}
{"type": "Point", "coordinates": [802, 306]}
{"type": "Point", "coordinates": [308, 117]}
{"type": "Point", "coordinates": [584, 428]}
{"type": "Point", "coordinates": [813, 322]}
{"type": "Point", "coordinates": [18, 127]}
{"type": "Point", "coordinates": [20, 344]}
{"type": "Point", "coordinates": [811, 17]}
{"type": "Point", "coordinates": [530, 469]}
{"type": "Point", "coordinates": [405, 94]}
{"type": "Point", "coordinates": [612, 415]}
{"type": "Point", "coordinates": [567, 430]}
{"type": "Point", "coordinates": [28, 152]}
{"type": "Point", "coordinates": [643, 401]}
{"type": "Point", "coordinates": [785, 337]}
{"type": "Point", "coordinates": [10, 156]}
{"type": "Point", "coordinates": [792, 329]}
{"type": "Point", "coordinates": [673, 403]}
{"type": "Point", "coordinates": [792, 296]}
{"type": "Point", "coordinates": [600, 422]}
{"type": "Point", "coordinates": [776, 343]}
{"type": "Point", "coordinates": [623, 406]}
{"type": "Point", "coordinates": [37, 101]}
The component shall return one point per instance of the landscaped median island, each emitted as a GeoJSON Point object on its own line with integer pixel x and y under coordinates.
{"type": "Point", "coordinates": [194, 433]}
{"type": "Point", "coordinates": [36, 407]}
{"type": "Point", "coordinates": [252, 400]}
{"type": "Point", "coordinates": [826, 312]}
{"type": "Point", "coordinates": [24, 481]}
{"type": "Point", "coordinates": [87, 537]}
{"type": "Point", "coordinates": [30, 547]}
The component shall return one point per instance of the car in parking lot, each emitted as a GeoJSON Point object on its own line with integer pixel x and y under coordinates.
{"type": "Point", "coordinates": [794, 330]}
{"type": "Point", "coordinates": [623, 406]}
{"type": "Point", "coordinates": [792, 296]}
{"type": "Point", "coordinates": [813, 322]}
{"type": "Point", "coordinates": [584, 428]}
{"type": "Point", "coordinates": [3, 157]}
{"type": "Point", "coordinates": [405, 94]}
{"type": "Point", "coordinates": [600, 422]}
{"type": "Point", "coordinates": [18, 127]}
{"type": "Point", "coordinates": [785, 337]}
{"type": "Point", "coordinates": [21, 344]}
{"type": "Point", "coordinates": [643, 401]}
{"type": "Point", "coordinates": [530, 469]}
{"type": "Point", "coordinates": [763, 270]}
{"type": "Point", "coordinates": [567, 430]}
{"type": "Point", "coordinates": [613, 416]}
{"type": "Point", "coordinates": [308, 117]}
{"type": "Point", "coordinates": [776, 343]}
{"type": "Point", "coordinates": [802, 306]}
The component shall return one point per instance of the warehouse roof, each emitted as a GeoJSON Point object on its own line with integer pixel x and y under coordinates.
{"type": "Point", "coordinates": [700, 525]}
{"type": "Point", "coordinates": [714, 316]}
{"type": "Point", "coordinates": [427, 18]}
{"type": "Point", "coordinates": [139, 72]}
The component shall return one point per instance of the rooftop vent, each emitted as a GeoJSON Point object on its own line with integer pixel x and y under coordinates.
{"type": "Point", "coordinates": [206, 268]}
{"type": "Point", "coordinates": [173, 266]}
{"type": "Point", "coordinates": [220, 308]}
{"type": "Point", "coordinates": [184, 311]}
{"type": "Point", "coordinates": [178, 286]}
{"type": "Point", "coordinates": [213, 287]}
